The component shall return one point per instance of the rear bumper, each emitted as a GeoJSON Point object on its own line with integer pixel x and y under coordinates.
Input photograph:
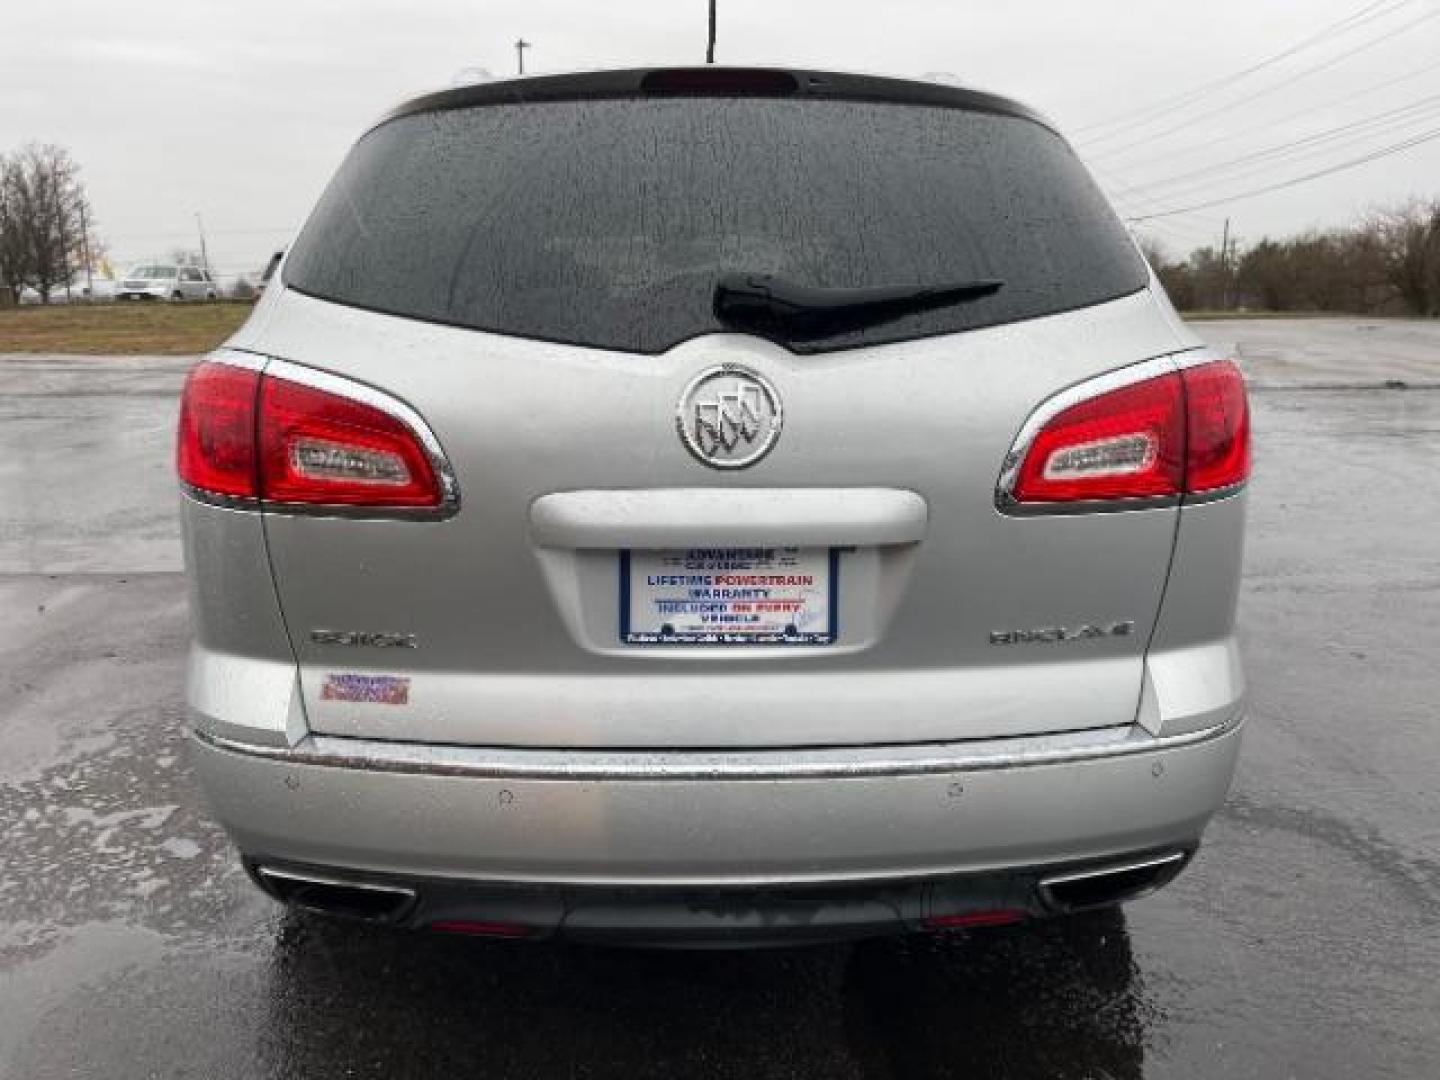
{"type": "Point", "coordinates": [982, 816]}
{"type": "Point", "coordinates": [695, 916]}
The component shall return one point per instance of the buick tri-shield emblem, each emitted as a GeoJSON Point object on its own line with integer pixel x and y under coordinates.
{"type": "Point", "coordinates": [729, 417]}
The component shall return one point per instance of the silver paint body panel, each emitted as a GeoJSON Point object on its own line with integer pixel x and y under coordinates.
{"type": "Point", "coordinates": [992, 757]}
{"type": "Point", "coordinates": [662, 830]}
{"type": "Point", "coordinates": [517, 620]}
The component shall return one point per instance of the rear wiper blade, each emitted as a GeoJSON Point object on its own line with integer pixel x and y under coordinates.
{"type": "Point", "coordinates": [774, 307]}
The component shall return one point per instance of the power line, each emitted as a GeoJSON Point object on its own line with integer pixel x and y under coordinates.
{"type": "Point", "coordinates": [1296, 159]}
{"type": "Point", "coordinates": [1193, 224]}
{"type": "Point", "coordinates": [1191, 237]}
{"type": "Point", "coordinates": [1365, 128]}
{"type": "Point", "coordinates": [1304, 74]}
{"type": "Point", "coordinates": [1184, 230]}
{"type": "Point", "coordinates": [1123, 192]}
{"type": "Point", "coordinates": [1376, 155]}
{"type": "Point", "coordinates": [1230, 136]}
{"type": "Point", "coordinates": [1342, 26]}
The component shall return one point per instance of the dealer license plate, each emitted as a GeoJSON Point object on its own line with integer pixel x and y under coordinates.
{"type": "Point", "coordinates": [730, 596]}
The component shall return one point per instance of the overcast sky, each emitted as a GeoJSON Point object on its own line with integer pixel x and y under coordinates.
{"type": "Point", "coordinates": [241, 109]}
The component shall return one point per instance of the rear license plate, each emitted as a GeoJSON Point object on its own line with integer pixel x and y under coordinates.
{"type": "Point", "coordinates": [730, 596]}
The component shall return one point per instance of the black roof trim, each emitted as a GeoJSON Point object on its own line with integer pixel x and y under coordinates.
{"type": "Point", "coordinates": [630, 82]}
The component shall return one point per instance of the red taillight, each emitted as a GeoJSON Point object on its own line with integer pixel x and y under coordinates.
{"type": "Point", "coordinates": [272, 438]}
{"type": "Point", "coordinates": [319, 447]}
{"type": "Point", "coordinates": [1174, 433]}
{"type": "Point", "coordinates": [1218, 444]}
{"type": "Point", "coordinates": [215, 447]}
{"type": "Point", "coordinates": [1125, 444]}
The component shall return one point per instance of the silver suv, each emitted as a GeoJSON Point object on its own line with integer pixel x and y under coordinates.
{"type": "Point", "coordinates": [713, 506]}
{"type": "Point", "coordinates": [166, 281]}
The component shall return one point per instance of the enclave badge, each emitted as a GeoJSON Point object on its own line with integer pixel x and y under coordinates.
{"type": "Point", "coordinates": [1062, 635]}
{"type": "Point", "coordinates": [729, 417]}
{"type": "Point", "coordinates": [364, 638]}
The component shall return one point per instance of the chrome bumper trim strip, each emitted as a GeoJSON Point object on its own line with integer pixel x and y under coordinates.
{"type": "Point", "coordinates": [795, 763]}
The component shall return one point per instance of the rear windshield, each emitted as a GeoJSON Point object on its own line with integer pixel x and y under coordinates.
{"type": "Point", "coordinates": [608, 222]}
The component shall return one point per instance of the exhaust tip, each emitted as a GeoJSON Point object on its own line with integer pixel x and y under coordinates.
{"type": "Point", "coordinates": [366, 901]}
{"type": "Point", "coordinates": [1113, 884]}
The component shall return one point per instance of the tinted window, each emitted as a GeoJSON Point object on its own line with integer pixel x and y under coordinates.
{"type": "Point", "coordinates": [607, 222]}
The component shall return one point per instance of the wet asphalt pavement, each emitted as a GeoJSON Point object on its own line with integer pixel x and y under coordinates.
{"type": "Point", "coordinates": [1304, 942]}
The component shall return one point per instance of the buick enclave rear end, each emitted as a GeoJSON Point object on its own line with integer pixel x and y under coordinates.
{"type": "Point", "coordinates": [713, 506]}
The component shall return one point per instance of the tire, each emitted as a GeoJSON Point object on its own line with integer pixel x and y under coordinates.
{"type": "Point", "coordinates": [177, 296]}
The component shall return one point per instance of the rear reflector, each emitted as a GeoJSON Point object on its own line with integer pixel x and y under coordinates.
{"type": "Point", "coordinates": [1174, 433]}
{"type": "Point", "coordinates": [281, 440]}
{"type": "Point", "coordinates": [970, 919]}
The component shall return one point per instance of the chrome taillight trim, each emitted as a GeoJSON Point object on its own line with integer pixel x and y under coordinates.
{"type": "Point", "coordinates": [1046, 411]}
{"type": "Point", "coordinates": [237, 358]}
{"type": "Point", "coordinates": [356, 391]}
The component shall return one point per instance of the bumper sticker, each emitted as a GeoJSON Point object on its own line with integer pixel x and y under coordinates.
{"type": "Point", "coordinates": [371, 689]}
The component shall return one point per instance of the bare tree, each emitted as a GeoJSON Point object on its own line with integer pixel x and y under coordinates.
{"type": "Point", "coordinates": [14, 242]}
{"type": "Point", "coordinates": [44, 218]}
{"type": "Point", "coordinates": [1266, 276]}
{"type": "Point", "coordinates": [1362, 269]}
{"type": "Point", "coordinates": [1409, 236]}
{"type": "Point", "coordinates": [1209, 277]}
{"type": "Point", "coordinates": [1388, 263]}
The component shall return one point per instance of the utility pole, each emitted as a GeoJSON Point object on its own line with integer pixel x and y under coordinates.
{"type": "Point", "coordinates": [710, 48]}
{"type": "Point", "coordinates": [85, 252]}
{"type": "Point", "coordinates": [1225, 267]}
{"type": "Point", "coordinates": [520, 46]}
{"type": "Point", "coordinates": [204, 255]}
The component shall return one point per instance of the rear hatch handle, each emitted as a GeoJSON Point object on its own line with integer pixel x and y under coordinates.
{"type": "Point", "coordinates": [728, 517]}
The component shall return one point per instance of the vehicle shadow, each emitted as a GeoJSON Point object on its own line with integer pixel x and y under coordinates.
{"type": "Point", "coordinates": [1059, 999]}
{"type": "Point", "coordinates": [1053, 1000]}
